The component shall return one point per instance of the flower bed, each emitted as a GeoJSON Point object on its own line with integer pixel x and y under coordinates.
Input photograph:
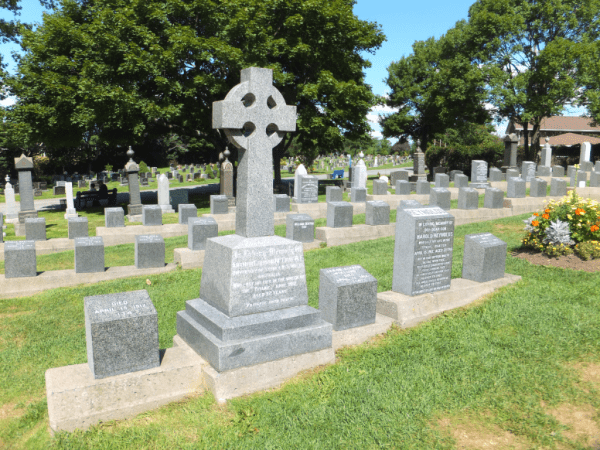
{"type": "Point", "coordinates": [570, 224]}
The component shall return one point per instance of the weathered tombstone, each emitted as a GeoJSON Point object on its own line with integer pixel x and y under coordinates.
{"type": "Point", "coordinates": [358, 195]}
{"type": "Point", "coordinates": [511, 142]}
{"type": "Point", "coordinates": [185, 212]}
{"type": "Point", "coordinates": [512, 173]}
{"type": "Point", "coordinates": [453, 174]}
{"type": "Point", "coordinates": [149, 251]}
{"type": "Point", "coordinates": [440, 197]}
{"type": "Point", "coordinates": [594, 179]}
{"type": "Point", "coordinates": [151, 215]}
{"type": "Point", "coordinates": [461, 181]}
{"type": "Point", "coordinates": [180, 178]}
{"type": "Point", "coordinates": [281, 202]}
{"type": "Point", "coordinates": [571, 172]}
{"type": "Point", "coordinates": [144, 181]}
{"type": "Point", "coordinates": [402, 187]}
{"type": "Point", "coordinates": [468, 198]}
{"type": "Point", "coordinates": [546, 159]}
{"type": "Point", "coordinates": [35, 229]}
{"type": "Point", "coordinates": [494, 198]}
{"type": "Point", "coordinates": [11, 206]}
{"type": "Point", "coordinates": [584, 155]}
{"type": "Point", "coordinates": [423, 187]}
{"type": "Point", "coordinates": [484, 257]}
{"type": "Point", "coordinates": [423, 251]}
{"type": "Point", "coordinates": [479, 174]}
{"type": "Point", "coordinates": [114, 217]}
{"type": "Point", "coordinates": [135, 200]}
{"type": "Point", "coordinates": [528, 171]}
{"type": "Point", "coordinates": [308, 189]}
{"type": "Point", "coordinates": [199, 230]}
{"type": "Point", "coordinates": [300, 227]}
{"type": "Point", "coordinates": [347, 297]}
{"type": "Point", "coordinates": [558, 187]}
{"type": "Point", "coordinates": [242, 297]}
{"type": "Point", "coordinates": [379, 187]}
{"type": "Point", "coordinates": [538, 187]}
{"type": "Point", "coordinates": [581, 179]}
{"type": "Point", "coordinates": [300, 171]}
{"type": "Point", "coordinates": [377, 213]}
{"type": "Point", "coordinates": [418, 164]}
{"type": "Point", "coordinates": [398, 175]}
{"type": "Point", "coordinates": [333, 194]}
{"type": "Point", "coordinates": [121, 332]}
{"type": "Point", "coordinates": [178, 197]}
{"type": "Point", "coordinates": [89, 254]}
{"type": "Point", "coordinates": [543, 171]}
{"type": "Point", "coordinates": [78, 227]}
{"type": "Point", "coordinates": [24, 166]}
{"type": "Point", "coordinates": [339, 214]}
{"type": "Point", "coordinates": [586, 166]}
{"type": "Point", "coordinates": [169, 175]}
{"type": "Point", "coordinates": [442, 180]}
{"type": "Point", "coordinates": [516, 187]}
{"type": "Point", "coordinates": [163, 194]}
{"type": "Point", "coordinates": [59, 188]}
{"type": "Point", "coordinates": [359, 174]}
{"type": "Point", "coordinates": [19, 259]}
{"type": "Point", "coordinates": [219, 204]}
{"type": "Point", "coordinates": [81, 184]}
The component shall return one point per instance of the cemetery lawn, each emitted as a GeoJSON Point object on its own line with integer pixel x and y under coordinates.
{"type": "Point", "coordinates": [520, 367]}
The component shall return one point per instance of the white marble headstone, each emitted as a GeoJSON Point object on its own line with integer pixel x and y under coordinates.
{"type": "Point", "coordinates": [70, 206]}
{"type": "Point", "coordinates": [301, 170]}
{"type": "Point", "coordinates": [586, 149]}
{"type": "Point", "coordinates": [11, 205]}
{"type": "Point", "coordinates": [163, 194]}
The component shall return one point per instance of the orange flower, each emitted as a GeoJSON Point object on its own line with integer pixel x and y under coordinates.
{"type": "Point", "coordinates": [579, 211]}
{"type": "Point", "coordinates": [535, 223]}
{"type": "Point", "coordinates": [595, 228]}
{"type": "Point", "coordinates": [546, 211]}
{"type": "Point", "coordinates": [545, 216]}
{"type": "Point", "coordinates": [535, 214]}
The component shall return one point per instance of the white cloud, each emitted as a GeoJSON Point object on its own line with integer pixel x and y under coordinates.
{"type": "Point", "coordinates": [7, 101]}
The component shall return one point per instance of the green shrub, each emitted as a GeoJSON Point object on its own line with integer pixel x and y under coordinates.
{"type": "Point", "coordinates": [143, 167]}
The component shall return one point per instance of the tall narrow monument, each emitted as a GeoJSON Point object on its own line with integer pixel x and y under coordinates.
{"type": "Point", "coordinates": [226, 183]}
{"type": "Point", "coordinates": [134, 209]}
{"type": "Point", "coordinates": [253, 304]}
{"type": "Point", "coordinates": [418, 165]}
{"type": "Point", "coordinates": [24, 166]}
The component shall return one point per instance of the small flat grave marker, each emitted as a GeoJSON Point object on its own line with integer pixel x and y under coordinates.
{"type": "Point", "coordinates": [89, 254]}
{"type": "Point", "coordinates": [149, 251]}
{"type": "Point", "coordinates": [484, 258]}
{"type": "Point", "coordinates": [300, 227]}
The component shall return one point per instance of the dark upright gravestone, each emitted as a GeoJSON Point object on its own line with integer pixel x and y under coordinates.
{"type": "Point", "coordinates": [121, 333]}
{"type": "Point", "coordinates": [24, 166]}
{"type": "Point", "coordinates": [484, 257]}
{"type": "Point", "coordinates": [347, 297]}
{"type": "Point", "coordinates": [135, 200]}
{"type": "Point", "coordinates": [423, 251]}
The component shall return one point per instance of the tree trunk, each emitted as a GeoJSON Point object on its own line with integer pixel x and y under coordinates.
{"type": "Point", "coordinates": [535, 140]}
{"type": "Point", "coordinates": [525, 140]}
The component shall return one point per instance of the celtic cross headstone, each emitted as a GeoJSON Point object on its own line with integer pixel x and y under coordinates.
{"type": "Point", "coordinates": [255, 118]}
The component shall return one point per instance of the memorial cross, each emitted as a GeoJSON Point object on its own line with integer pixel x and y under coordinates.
{"type": "Point", "coordinates": [254, 117]}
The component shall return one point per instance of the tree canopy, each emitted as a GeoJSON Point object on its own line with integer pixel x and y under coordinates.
{"type": "Point", "coordinates": [100, 74]}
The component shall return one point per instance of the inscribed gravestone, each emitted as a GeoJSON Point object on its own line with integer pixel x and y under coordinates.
{"type": "Point", "coordinates": [423, 251]}
{"type": "Point", "coordinates": [24, 166]}
{"type": "Point", "coordinates": [528, 171]}
{"type": "Point", "coordinates": [114, 217]}
{"type": "Point", "coordinates": [19, 259]}
{"type": "Point", "coordinates": [479, 172]}
{"type": "Point", "coordinates": [89, 254]}
{"type": "Point", "coordinates": [359, 175]}
{"type": "Point", "coordinates": [484, 257]}
{"type": "Point", "coordinates": [347, 297]}
{"type": "Point", "coordinates": [339, 214]}
{"type": "Point", "coordinates": [121, 333]}
{"type": "Point", "coordinates": [70, 212]}
{"type": "Point", "coordinates": [78, 227]}
{"type": "Point", "coordinates": [149, 251]}
{"type": "Point", "coordinates": [135, 200]}
{"type": "Point", "coordinates": [163, 194]}
{"type": "Point", "coordinates": [308, 189]}
{"type": "Point", "coordinates": [300, 227]}
{"type": "Point", "coordinates": [11, 206]}
{"type": "Point", "coordinates": [300, 171]}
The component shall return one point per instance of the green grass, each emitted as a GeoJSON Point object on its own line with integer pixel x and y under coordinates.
{"type": "Point", "coordinates": [497, 359]}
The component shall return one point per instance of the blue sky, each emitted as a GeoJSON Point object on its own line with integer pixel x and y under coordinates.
{"type": "Point", "coordinates": [403, 23]}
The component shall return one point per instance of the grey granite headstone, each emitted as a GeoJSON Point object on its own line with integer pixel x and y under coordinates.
{"type": "Point", "coordinates": [579, 179]}
{"type": "Point", "coordinates": [134, 208]}
{"type": "Point", "coordinates": [453, 174]}
{"type": "Point", "coordinates": [402, 187]}
{"type": "Point", "coordinates": [496, 174]}
{"type": "Point", "coordinates": [494, 198]}
{"type": "Point", "coordinates": [558, 187]}
{"type": "Point", "coordinates": [571, 172]}
{"type": "Point", "coordinates": [151, 215]}
{"type": "Point", "coordinates": [586, 166]}
{"type": "Point", "coordinates": [60, 190]}
{"type": "Point", "coordinates": [528, 170]}
{"type": "Point", "coordinates": [597, 166]}
{"type": "Point", "coordinates": [19, 259]}
{"type": "Point", "coordinates": [440, 197]}
{"type": "Point", "coordinates": [347, 297]}
{"type": "Point", "coordinates": [512, 173]}
{"type": "Point", "coordinates": [199, 230]}
{"type": "Point", "coordinates": [24, 166]}
{"type": "Point", "coordinates": [78, 227]}
{"type": "Point", "coordinates": [185, 212]}
{"type": "Point", "coordinates": [544, 171]}
{"type": "Point", "coordinates": [442, 180]}
{"type": "Point", "coordinates": [308, 191]}
{"type": "Point", "coordinates": [516, 188]}
{"type": "Point", "coordinates": [334, 194]}
{"type": "Point", "coordinates": [380, 187]}
{"type": "Point", "coordinates": [149, 251]}
{"type": "Point", "coordinates": [358, 195]}
{"type": "Point", "coordinates": [409, 204]}
{"type": "Point", "coordinates": [281, 202]}
{"type": "Point", "coordinates": [114, 217]}
{"type": "Point", "coordinates": [423, 251]}
{"type": "Point", "coordinates": [594, 179]}
{"type": "Point", "coordinates": [219, 204]}
{"type": "Point", "coordinates": [479, 174]}
{"type": "Point", "coordinates": [538, 187]}
{"type": "Point", "coordinates": [35, 229]}
{"type": "Point", "coordinates": [558, 171]}
{"type": "Point", "coordinates": [89, 254]}
{"type": "Point", "coordinates": [300, 227]}
{"type": "Point", "coordinates": [377, 213]}
{"type": "Point", "coordinates": [461, 181]}
{"type": "Point", "coordinates": [339, 214]}
{"type": "Point", "coordinates": [468, 198]}
{"type": "Point", "coordinates": [484, 258]}
{"type": "Point", "coordinates": [423, 187]}
{"type": "Point", "coordinates": [121, 333]}
{"type": "Point", "coordinates": [398, 175]}
{"type": "Point", "coordinates": [178, 197]}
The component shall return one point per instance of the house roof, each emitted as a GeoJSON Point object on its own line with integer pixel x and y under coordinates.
{"type": "Point", "coordinates": [564, 123]}
{"type": "Point", "coordinates": [569, 139]}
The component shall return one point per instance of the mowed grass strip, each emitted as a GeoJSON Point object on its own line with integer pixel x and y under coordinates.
{"type": "Point", "coordinates": [499, 358]}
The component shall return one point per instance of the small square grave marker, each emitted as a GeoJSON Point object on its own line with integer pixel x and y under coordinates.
{"type": "Point", "coordinates": [19, 259]}
{"type": "Point", "coordinates": [78, 227]}
{"type": "Point", "coordinates": [89, 254]}
{"type": "Point", "coordinates": [149, 251]}
{"type": "Point", "coordinates": [114, 217]}
{"type": "Point", "coordinates": [484, 257]}
{"type": "Point", "coordinates": [199, 230]}
{"type": "Point", "coordinates": [300, 227]}
{"type": "Point", "coordinates": [339, 214]}
{"type": "Point", "coordinates": [35, 229]}
{"type": "Point", "coordinates": [377, 213]}
{"type": "Point", "coordinates": [219, 204]}
{"type": "Point", "coordinates": [185, 212]}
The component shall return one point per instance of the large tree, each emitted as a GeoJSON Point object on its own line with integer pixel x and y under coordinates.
{"type": "Point", "coordinates": [107, 73]}
{"type": "Point", "coordinates": [530, 50]}
{"type": "Point", "coordinates": [435, 88]}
